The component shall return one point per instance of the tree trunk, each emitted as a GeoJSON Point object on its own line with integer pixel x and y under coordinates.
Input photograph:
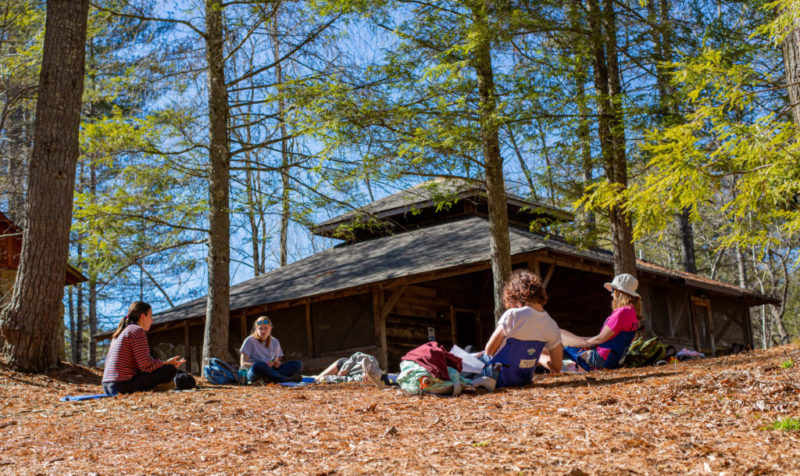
{"type": "Point", "coordinates": [285, 159]}
{"type": "Point", "coordinates": [741, 267]}
{"type": "Point", "coordinates": [79, 316]}
{"type": "Point", "coordinates": [30, 323]}
{"type": "Point", "coordinates": [73, 347]}
{"type": "Point", "coordinates": [92, 322]}
{"type": "Point", "coordinates": [587, 219]}
{"type": "Point", "coordinates": [611, 127]}
{"type": "Point", "coordinates": [250, 178]}
{"type": "Point", "coordinates": [687, 241]}
{"type": "Point", "coordinates": [215, 337]}
{"type": "Point", "coordinates": [499, 242]}
{"type": "Point", "coordinates": [668, 111]}
{"type": "Point", "coordinates": [791, 63]}
{"type": "Point", "coordinates": [622, 233]}
{"type": "Point", "coordinates": [92, 282]}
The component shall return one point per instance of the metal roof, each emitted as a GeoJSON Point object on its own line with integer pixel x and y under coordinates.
{"type": "Point", "coordinates": [445, 245]}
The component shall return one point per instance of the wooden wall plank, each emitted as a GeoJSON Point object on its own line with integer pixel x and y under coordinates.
{"type": "Point", "coordinates": [309, 331]}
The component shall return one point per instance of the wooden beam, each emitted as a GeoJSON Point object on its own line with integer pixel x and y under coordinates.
{"type": "Point", "coordinates": [309, 331]}
{"type": "Point", "coordinates": [396, 295]}
{"type": "Point", "coordinates": [550, 270]}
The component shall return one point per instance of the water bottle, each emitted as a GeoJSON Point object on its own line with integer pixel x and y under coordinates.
{"type": "Point", "coordinates": [242, 376]}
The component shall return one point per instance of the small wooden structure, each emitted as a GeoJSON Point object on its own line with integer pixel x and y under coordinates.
{"type": "Point", "coordinates": [10, 249]}
{"type": "Point", "coordinates": [412, 269]}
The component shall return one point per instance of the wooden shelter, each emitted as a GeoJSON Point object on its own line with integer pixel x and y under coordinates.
{"type": "Point", "coordinates": [10, 249]}
{"type": "Point", "coordinates": [415, 265]}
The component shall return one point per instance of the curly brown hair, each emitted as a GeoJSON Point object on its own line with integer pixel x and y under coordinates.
{"type": "Point", "coordinates": [522, 288]}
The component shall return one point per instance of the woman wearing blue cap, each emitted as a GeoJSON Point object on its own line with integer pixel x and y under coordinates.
{"type": "Point", "coordinates": [606, 349]}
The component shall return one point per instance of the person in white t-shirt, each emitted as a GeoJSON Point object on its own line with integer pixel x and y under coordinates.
{"type": "Point", "coordinates": [262, 356]}
{"type": "Point", "coordinates": [525, 319]}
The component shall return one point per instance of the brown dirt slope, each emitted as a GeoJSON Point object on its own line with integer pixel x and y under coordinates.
{"type": "Point", "coordinates": [691, 418]}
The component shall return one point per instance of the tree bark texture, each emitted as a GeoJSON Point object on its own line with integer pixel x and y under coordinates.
{"type": "Point", "coordinates": [79, 317]}
{"type": "Point", "coordinates": [71, 310]}
{"type": "Point", "coordinates": [285, 159]}
{"type": "Point", "coordinates": [499, 241]}
{"type": "Point", "coordinates": [791, 63]}
{"type": "Point", "coordinates": [668, 111]}
{"type": "Point", "coordinates": [92, 283]}
{"type": "Point", "coordinates": [611, 128]}
{"type": "Point", "coordinates": [687, 241]}
{"type": "Point", "coordinates": [30, 324]}
{"type": "Point", "coordinates": [92, 322]}
{"type": "Point", "coordinates": [215, 337]}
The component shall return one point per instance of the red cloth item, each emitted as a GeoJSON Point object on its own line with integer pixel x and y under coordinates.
{"type": "Point", "coordinates": [435, 359]}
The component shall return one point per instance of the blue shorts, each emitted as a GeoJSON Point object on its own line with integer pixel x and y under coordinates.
{"type": "Point", "coordinates": [588, 356]}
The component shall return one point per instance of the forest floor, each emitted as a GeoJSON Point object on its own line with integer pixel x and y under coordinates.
{"type": "Point", "coordinates": [701, 417]}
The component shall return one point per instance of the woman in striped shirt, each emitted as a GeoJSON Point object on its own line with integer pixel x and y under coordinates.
{"type": "Point", "coordinates": [129, 367]}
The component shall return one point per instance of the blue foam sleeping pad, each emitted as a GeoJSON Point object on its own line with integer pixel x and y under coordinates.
{"type": "Point", "coordinates": [77, 398]}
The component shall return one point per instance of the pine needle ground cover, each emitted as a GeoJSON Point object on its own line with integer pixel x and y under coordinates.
{"type": "Point", "coordinates": [723, 416]}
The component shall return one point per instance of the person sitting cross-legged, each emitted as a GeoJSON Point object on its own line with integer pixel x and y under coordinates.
{"type": "Point", "coordinates": [261, 354]}
{"type": "Point", "coordinates": [129, 367]}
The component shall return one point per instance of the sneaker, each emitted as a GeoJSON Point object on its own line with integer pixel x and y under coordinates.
{"type": "Point", "coordinates": [485, 382]}
{"type": "Point", "coordinates": [294, 378]}
{"type": "Point", "coordinates": [372, 373]}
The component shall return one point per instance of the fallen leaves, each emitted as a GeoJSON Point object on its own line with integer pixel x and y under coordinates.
{"type": "Point", "coordinates": [697, 417]}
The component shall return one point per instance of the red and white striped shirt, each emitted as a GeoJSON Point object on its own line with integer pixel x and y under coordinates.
{"type": "Point", "coordinates": [128, 355]}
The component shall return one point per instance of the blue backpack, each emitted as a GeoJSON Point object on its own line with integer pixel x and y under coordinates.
{"type": "Point", "coordinates": [219, 372]}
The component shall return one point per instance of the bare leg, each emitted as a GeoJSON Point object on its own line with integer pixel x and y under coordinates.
{"type": "Point", "coordinates": [332, 369]}
{"type": "Point", "coordinates": [571, 340]}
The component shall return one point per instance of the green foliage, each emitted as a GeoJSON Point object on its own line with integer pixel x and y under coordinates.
{"type": "Point", "coordinates": [787, 364]}
{"type": "Point", "coordinates": [714, 149]}
{"type": "Point", "coordinates": [784, 424]}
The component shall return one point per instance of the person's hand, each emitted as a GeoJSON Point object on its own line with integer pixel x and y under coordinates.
{"type": "Point", "coordinates": [176, 361]}
{"type": "Point", "coordinates": [275, 363]}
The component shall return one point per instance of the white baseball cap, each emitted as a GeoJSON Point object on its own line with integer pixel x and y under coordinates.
{"type": "Point", "coordinates": [624, 282]}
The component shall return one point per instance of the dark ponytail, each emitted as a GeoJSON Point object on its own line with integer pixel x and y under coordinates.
{"type": "Point", "coordinates": [135, 311]}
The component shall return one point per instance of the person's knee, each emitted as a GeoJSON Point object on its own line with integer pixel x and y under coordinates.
{"type": "Point", "coordinates": [170, 371]}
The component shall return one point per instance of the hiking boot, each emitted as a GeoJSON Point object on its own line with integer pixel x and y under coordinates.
{"type": "Point", "coordinates": [372, 373]}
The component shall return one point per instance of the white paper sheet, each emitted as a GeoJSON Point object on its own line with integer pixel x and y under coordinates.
{"type": "Point", "coordinates": [469, 363]}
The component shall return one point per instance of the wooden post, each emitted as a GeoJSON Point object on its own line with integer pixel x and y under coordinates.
{"type": "Point", "coordinates": [380, 325]}
{"type": "Point", "coordinates": [243, 325]}
{"type": "Point", "coordinates": [309, 331]}
{"type": "Point", "coordinates": [186, 353]}
{"type": "Point", "coordinates": [453, 334]}
{"type": "Point", "coordinates": [382, 315]}
{"type": "Point", "coordinates": [710, 321]}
